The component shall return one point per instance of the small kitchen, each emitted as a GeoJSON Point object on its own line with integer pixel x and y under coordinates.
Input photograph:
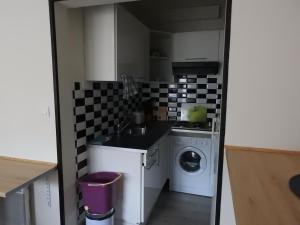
{"type": "Point", "coordinates": [141, 90]}
{"type": "Point", "coordinates": [111, 112]}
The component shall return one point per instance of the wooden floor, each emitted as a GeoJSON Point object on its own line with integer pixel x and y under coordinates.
{"type": "Point", "coordinates": [175, 208]}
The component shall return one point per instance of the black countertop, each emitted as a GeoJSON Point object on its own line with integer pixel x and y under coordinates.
{"type": "Point", "coordinates": [155, 131]}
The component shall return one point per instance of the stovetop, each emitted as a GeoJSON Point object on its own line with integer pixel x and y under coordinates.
{"type": "Point", "coordinates": [186, 125]}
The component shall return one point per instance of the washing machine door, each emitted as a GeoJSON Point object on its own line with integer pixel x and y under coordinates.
{"type": "Point", "coordinates": [191, 160]}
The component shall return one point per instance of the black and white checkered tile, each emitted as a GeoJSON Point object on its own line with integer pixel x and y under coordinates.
{"type": "Point", "coordinates": [203, 89]}
{"type": "Point", "coordinates": [98, 108]}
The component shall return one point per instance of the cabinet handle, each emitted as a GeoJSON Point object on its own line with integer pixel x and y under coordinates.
{"type": "Point", "coordinates": [195, 58]}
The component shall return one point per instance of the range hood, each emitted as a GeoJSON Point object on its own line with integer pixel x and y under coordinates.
{"type": "Point", "coordinates": [180, 68]}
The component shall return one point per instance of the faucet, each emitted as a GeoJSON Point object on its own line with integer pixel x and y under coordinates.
{"type": "Point", "coordinates": [125, 123]}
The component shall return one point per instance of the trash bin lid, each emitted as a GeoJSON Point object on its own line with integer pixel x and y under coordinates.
{"type": "Point", "coordinates": [100, 179]}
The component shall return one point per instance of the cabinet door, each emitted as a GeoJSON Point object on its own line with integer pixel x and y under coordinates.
{"type": "Point", "coordinates": [196, 46]}
{"type": "Point", "coordinates": [99, 35]}
{"type": "Point", "coordinates": [133, 43]}
{"type": "Point", "coordinates": [128, 191]}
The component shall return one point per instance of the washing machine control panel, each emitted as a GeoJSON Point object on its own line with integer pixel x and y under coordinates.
{"type": "Point", "coordinates": [200, 142]}
{"type": "Point", "coordinates": [193, 141]}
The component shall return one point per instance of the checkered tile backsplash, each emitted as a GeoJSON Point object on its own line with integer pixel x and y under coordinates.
{"type": "Point", "coordinates": [203, 89]}
{"type": "Point", "coordinates": [99, 107]}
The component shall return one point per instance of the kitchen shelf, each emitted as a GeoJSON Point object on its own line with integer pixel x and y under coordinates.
{"type": "Point", "coordinates": [18, 173]}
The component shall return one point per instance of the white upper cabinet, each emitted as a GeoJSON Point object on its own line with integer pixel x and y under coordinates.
{"type": "Point", "coordinates": [100, 54]}
{"type": "Point", "coordinates": [133, 46]}
{"type": "Point", "coordinates": [115, 43]}
{"type": "Point", "coordinates": [196, 46]}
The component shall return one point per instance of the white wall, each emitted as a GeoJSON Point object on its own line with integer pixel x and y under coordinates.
{"type": "Point", "coordinates": [263, 94]}
{"type": "Point", "coordinates": [69, 35]}
{"type": "Point", "coordinates": [26, 87]}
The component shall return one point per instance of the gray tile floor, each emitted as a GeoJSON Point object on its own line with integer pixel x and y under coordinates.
{"type": "Point", "coordinates": [175, 208]}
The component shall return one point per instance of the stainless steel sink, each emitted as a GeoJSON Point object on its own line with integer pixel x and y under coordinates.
{"type": "Point", "coordinates": [136, 131]}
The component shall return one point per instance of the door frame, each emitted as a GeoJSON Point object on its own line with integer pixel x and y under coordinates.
{"type": "Point", "coordinates": [223, 110]}
{"type": "Point", "coordinates": [57, 112]}
{"type": "Point", "coordinates": [228, 9]}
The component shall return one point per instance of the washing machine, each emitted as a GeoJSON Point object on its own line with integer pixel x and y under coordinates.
{"type": "Point", "coordinates": [191, 165]}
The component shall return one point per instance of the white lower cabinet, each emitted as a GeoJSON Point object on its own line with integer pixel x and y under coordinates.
{"type": "Point", "coordinates": [154, 176]}
{"type": "Point", "coordinates": [129, 189]}
{"type": "Point", "coordinates": [151, 184]}
{"type": "Point", "coordinates": [144, 174]}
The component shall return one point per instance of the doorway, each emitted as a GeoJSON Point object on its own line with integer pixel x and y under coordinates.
{"type": "Point", "coordinates": [174, 27]}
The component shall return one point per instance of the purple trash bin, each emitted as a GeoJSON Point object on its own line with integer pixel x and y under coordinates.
{"type": "Point", "coordinates": [98, 191]}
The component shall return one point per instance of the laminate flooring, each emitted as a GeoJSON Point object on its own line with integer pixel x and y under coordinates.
{"type": "Point", "coordinates": [175, 208]}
